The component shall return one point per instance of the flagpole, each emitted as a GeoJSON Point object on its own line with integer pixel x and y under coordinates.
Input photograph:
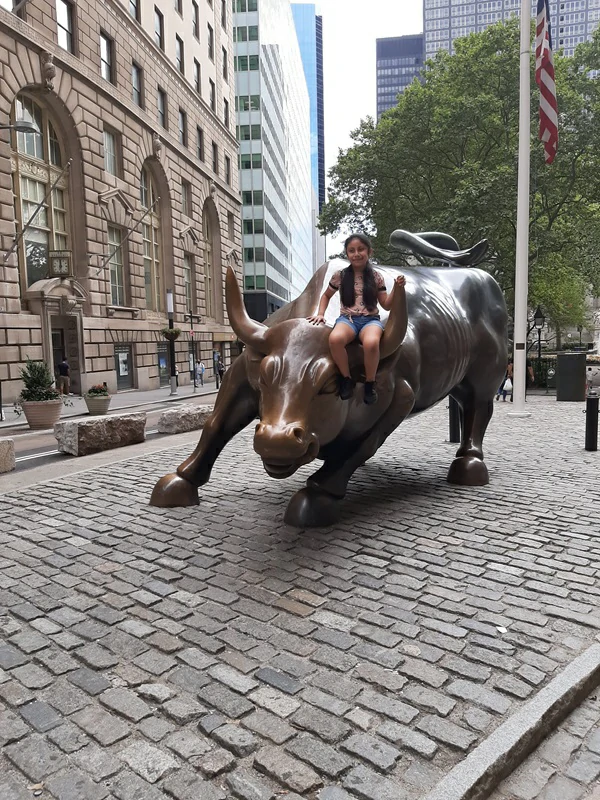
{"type": "Point", "coordinates": [522, 249]}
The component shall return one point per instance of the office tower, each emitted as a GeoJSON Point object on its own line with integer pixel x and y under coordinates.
{"type": "Point", "coordinates": [399, 62]}
{"type": "Point", "coordinates": [126, 192]}
{"type": "Point", "coordinates": [309, 28]}
{"type": "Point", "coordinates": [446, 20]}
{"type": "Point", "coordinates": [273, 115]}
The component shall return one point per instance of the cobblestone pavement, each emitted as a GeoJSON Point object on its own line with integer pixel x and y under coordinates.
{"type": "Point", "coordinates": [566, 766]}
{"type": "Point", "coordinates": [214, 652]}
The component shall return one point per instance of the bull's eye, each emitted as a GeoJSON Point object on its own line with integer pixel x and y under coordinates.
{"type": "Point", "coordinates": [330, 387]}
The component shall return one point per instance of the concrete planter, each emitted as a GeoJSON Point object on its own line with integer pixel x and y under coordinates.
{"type": "Point", "coordinates": [97, 404]}
{"type": "Point", "coordinates": [42, 414]}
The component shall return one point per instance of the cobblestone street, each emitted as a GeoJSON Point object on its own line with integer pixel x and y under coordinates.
{"type": "Point", "coordinates": [214, 652]}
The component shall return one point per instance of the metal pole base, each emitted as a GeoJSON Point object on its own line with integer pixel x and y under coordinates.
{"type": "Point", "coordinates": [173, 384]}
{"type": "Point", "coordinates": [591, 422]}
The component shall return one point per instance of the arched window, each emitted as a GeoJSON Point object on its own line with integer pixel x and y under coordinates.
{"type": "Point", "coordinates": [209, 300]}
{"type": "Point", "coordinates": [152, 243]}
{"type": "Point", "coordinates": [37, 163]}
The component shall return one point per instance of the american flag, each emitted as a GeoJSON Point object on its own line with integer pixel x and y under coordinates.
{"type": "Point", "coordinates": [544, 76]}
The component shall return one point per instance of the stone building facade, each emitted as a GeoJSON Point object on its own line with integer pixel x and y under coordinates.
{"type": "Point", "coordinates": [129, 190]}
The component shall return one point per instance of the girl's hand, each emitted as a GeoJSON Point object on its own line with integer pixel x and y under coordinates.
{"type": "Point", "coordinates": [400, 281]}
{"type": "Point", "coordinates": [316, 319]}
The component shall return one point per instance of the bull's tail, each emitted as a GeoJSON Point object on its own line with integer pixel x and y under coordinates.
{"type": "Point", "coordinates": [439, 246]}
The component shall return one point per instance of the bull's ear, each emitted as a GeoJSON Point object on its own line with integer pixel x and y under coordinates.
{"type": "Point", "coordinates": [248, 331]}
{"type": "Point", "coordinates": [396, 325]}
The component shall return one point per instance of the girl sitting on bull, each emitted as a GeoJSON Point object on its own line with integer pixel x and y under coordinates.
{"type": "Point", "coordinates": [361, 288]}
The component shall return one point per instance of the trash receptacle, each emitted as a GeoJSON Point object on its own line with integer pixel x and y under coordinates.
{"type": "Point", "coordinates": [570, 377]}
{"type": "Point", "coordinates": [551, 378]}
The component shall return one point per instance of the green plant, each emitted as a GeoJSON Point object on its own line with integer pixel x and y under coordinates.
{"type": "Point", "coordinates": [38, 385]}
{"type": "Point", "coordinates": [38, 382]}
{"type": "Point", "coordinates": [98, 390]}
{"type": "Point", "coordinates": [171, 333]}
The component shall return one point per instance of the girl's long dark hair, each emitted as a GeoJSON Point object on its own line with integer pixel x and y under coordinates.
{"type": "Point", "coordinates": [347, 294]}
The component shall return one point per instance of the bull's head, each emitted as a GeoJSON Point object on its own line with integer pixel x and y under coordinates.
{"type": "Point", "coordinates": [290, 366]}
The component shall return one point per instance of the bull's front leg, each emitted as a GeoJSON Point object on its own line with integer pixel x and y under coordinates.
{"type": "Point", "coordinates": [236, 407]}
{"type": "Point", "coordinates": [318, 505]}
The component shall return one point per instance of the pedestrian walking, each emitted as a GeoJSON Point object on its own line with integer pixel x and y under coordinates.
{"type": "Point", "coordinates": [64, 377]}
{"type": "Point", "coordinates": [200, 370]}
{"type": "Point", "coordinates": [220, 369]}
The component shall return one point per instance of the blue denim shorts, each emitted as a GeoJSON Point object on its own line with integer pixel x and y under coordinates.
{"type": "Point", "coordinates": [357, 323]}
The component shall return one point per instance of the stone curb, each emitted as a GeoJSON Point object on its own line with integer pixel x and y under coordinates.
{"type": "Point", "coordinates": [502, 752]}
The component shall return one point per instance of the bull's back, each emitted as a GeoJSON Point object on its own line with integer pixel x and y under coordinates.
{"type": "Point", "coordinates": [457, 323]}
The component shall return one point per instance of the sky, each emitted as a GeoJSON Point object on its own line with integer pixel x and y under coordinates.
{"type": "Point", "coordinates": [350, 29]}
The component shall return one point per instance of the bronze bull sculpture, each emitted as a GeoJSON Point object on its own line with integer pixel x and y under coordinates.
{"type": "Point", "coordinates": [445, 335]}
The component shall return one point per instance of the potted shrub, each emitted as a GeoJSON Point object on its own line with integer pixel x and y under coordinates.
{"type": "Point", "coordinates": [97, 399]}
{"type": "Point", "coordinates": [39, 401]}
{"type": "Point", "coordinates": [171, 333]}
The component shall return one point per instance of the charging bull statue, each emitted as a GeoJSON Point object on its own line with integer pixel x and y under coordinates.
{"type": "Point", "coordinates": [445, 335]}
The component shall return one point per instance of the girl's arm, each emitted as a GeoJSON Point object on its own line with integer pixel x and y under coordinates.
{"type": "Point", "coordinates": [385, 299]}
{"type": "Point", "coordinates": [319, 317]}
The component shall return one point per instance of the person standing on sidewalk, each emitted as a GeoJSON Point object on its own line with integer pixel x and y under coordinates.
{"type": "Point", "coordinates": [200, 370]}
{"type": "Point", "coordinates": [64, 377]}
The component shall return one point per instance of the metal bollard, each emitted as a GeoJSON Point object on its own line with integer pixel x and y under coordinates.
{"type": "Point", "coordinates": [455, 420]}
{"type": "Point", "coordinates": [591, 422]}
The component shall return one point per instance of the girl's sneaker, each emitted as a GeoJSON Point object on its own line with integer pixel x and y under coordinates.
{"type": "Point", "coordinates": [370, 393]}
{"type": "Point", "coordinates": [345, 387]}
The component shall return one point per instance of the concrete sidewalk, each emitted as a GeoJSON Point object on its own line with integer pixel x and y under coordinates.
{"type": "Point", "coordinates": [119, 401]}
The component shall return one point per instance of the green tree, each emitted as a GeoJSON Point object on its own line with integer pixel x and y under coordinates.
{"type": "Point", "coordinates": [445, 158]}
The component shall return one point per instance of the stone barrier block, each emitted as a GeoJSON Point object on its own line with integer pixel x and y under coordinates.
{"type": "Point", "coordinates": [184, 418]}
{"type": "Point", "coordinates": [81, 437]}
{"type": "Point", "coordinates": [7, 455]}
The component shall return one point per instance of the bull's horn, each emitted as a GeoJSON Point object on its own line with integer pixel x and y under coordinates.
{"type": "Point", "coordinates": [397, 323]}
{"type": "Point", "coordinates": [248, 331]}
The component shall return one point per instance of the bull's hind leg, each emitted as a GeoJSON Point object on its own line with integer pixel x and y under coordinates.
{"type": "Point", "coordinates": [318, 505]}
{"type": "Point", "coordinates": [235, 408]}
{"type": "Point", "coordinates": [468, 468]}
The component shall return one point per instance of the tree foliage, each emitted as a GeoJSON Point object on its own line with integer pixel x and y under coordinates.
{"type": "Point", "coordinates": [445, 158]}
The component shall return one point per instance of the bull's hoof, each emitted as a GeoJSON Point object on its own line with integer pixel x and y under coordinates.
{"type": "Point", "coordinates": [468, 471]}
{"type": "Point", "coordinates": [310, 508]}
{"type": "Point", "coordinates": [173, 491]}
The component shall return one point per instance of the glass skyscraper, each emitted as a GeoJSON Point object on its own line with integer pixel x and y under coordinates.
{"type": "Point", "coordinates": [309, 28]}
{"type": "Point", "coordinates": [446, 20]}
{"type": "Point", "coordinates": [273, 115]}
{"type": "Point", "coordinates": [399, 62]}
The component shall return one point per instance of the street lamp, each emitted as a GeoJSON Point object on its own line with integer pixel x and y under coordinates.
{"type": "Point", "coordinates": [21, 126]}
{"type": "Point", "coordinates": [193, 318]}
{"type": "Point", "coordinates": [171, 342]}
{"type": "Point", "coordinates": [538, 320]}
{"type": "Point", "coordinates": [580, 331]}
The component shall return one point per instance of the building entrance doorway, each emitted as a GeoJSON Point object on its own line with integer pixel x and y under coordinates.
{"type": "Point", "coordinates": [65, 344]}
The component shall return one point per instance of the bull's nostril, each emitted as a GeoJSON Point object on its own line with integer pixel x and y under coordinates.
{"type": "Point", "coordinates": [258, 428]}
{"type": "Point", "coordinates": [298, 433]}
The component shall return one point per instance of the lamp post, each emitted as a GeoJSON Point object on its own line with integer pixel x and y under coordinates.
{"type": "Point", "coordinates": [193, 318]}
{"type": "Point", "coordinates": [21, 126]}
{"type": "Point", "coordinates": [538, 320]}
{"type": "Point", "coordinates": [171, 342]}
{"type": "Point", "coordinates": [580, 331]}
